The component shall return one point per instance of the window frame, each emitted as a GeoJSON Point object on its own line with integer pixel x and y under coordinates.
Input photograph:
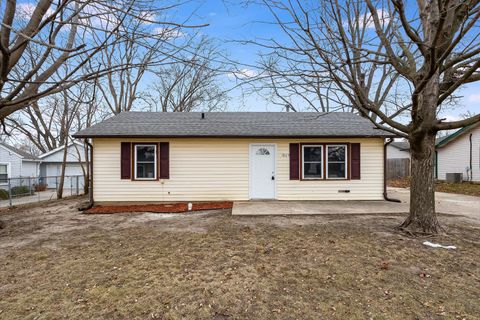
{"type": "Point", "coordinates": [156, 164]}
{"type": "Point", "coordinates": [7, 164]}
{"type": "Point", "coordinates": [347, 167]}
{"type": "Point", "coordinates": [322, 175]}
{"type": "Point", "coordinates": [324, 158]}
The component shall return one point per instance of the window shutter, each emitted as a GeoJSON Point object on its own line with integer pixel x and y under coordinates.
{"type": "Point", "coordinates": [164, 160]}
{"type": "Point", "coordinates": [126, 160]}
{"type": "Point", "coordinates": [355, 161]}
{"type": "Point", "coordinates": [294, 161]}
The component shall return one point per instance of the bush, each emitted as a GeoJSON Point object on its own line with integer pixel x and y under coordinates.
{"type": "Point", "coordinates": [3, 194]}
{"type": "Point", "coordinates": [40, 187]}
{"type": "Point", "coordinates": [20, 191]}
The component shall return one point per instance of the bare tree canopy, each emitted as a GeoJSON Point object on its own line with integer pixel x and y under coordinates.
{"type": "Point", "coordinates": [396, 62]}
{"type": "Point", "coordinates": [48, 123]}
{"type": "Point", "coordinates": [192, 83]}
{"type": "Point", "coordinates": [36, 39]}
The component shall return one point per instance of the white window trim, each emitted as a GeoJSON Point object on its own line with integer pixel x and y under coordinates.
{"type": "Point", "coordinates": [8, 173]}
{"type": "Point", "coordinates": [303, 161]}
{"type": "Point", "coordinates": [155, 161]}
{"type": "Point", "coordinates": [346, 161]}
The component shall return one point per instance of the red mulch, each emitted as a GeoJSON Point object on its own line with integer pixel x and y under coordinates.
{"type": "Point", "coordinates": [160, 208]}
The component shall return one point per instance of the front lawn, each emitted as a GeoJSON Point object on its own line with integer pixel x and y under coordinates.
{"type": "Point", "coordinates": [56, 263]}
{"type": "Point", "coordinates": [467, 188]}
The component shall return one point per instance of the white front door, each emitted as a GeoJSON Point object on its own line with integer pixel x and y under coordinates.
{"type": "Point", "coordinates": [262, 171]}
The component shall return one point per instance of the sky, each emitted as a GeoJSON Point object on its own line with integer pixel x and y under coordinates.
{"type": "Point", "coordinates": [230, 21]}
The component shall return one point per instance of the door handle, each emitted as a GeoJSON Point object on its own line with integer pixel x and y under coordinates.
{"type": "Point", "coordinates": [273, 177]}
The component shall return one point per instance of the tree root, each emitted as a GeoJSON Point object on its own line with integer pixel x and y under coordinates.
{"type": "Point", "coordinates": [414, 228]}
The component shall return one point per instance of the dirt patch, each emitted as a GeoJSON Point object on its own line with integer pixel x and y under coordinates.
{"type": "Point", "coordinates": [211, 265]}
{"type": "Point", "coordinates": [467, 188]}
{"type": "Point", "coordinates": [160, 208]}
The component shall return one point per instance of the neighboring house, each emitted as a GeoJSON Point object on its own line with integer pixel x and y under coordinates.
{"type": "Point", "coordinates": [51, 163]}
{"type": "Point", "coordinates": [398, 150]}
{"type": "Point", "coordinates": [141, 156]}
{"type": "Point", "coordinates": [16, 163]}
{"type": "Point", "coordinates": [459, 153]}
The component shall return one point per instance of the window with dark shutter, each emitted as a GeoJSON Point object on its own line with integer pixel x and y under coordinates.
{"type": "Point", "coordinates": [294, 161]}
{"type": "Point", "coordinates": [355, 161]}
{"type": "Point", "coordinates": [125, 160]}
{"type": "Point", "coordinates": [164, 160]}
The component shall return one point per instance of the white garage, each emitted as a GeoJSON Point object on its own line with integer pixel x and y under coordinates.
{"type": "Point", "coordinates": [51, 166]}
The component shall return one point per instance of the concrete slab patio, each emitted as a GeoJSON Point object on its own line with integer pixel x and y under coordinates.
{"type": "Point", "coordinates": [446, 203]}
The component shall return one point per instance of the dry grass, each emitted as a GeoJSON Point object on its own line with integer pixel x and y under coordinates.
{"type": "Point", "coordinates": [56, 263]}
{"type": "Point", "coordinates": [467, 188]}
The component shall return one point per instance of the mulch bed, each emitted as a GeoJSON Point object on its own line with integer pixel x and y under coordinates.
{"type": "Point", "coordinates": [160, 208]}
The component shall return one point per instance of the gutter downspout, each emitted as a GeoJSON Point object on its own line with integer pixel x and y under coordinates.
{"type": "Point", "coordinates": [385, 196]}
{"type": "Point", "coordinates": [471, 162]}
{"type": "Point", "coordinates": [90, 177]}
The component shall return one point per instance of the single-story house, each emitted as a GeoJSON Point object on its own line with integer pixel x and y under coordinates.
{"type": "Point", "coordinates": [398, 150]}
{"type": "Point", "coordinates": [459, 153]}
{"type": "Point", "coordinates": [16, 163]}
{"type": "Point", "coordinates": [164, 157]}
{"type": "Point", "coordinates": [51, 164]}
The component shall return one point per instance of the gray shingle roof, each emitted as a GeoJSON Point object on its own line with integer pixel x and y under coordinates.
{"type": "Point", "coordinates": [25, 155]}
{"type": "Point", "coordinates": [234, 124]}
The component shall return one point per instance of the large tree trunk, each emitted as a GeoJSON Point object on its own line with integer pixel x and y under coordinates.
{"type": "Point", "coordinates": [422, 215]}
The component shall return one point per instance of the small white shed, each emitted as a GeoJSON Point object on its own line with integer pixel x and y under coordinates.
{"type": "Point", "coordinates": [398, 150]}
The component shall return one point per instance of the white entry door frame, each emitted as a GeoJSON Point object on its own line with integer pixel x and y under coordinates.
{"type": "Point", "coordinates": [263, 171]}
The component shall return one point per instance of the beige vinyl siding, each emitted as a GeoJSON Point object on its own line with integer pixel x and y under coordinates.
{"type": "Point", "coordinates": [218, 169]}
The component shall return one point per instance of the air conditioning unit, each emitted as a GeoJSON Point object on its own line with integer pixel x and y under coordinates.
{"type": "Point", "coordinates": [455, 177]}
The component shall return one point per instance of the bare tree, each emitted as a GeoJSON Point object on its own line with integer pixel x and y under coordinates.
{"type": "Point", "coordinates": [295, 85]}
{"type": "Point", "coordinates": [192, 83]}
{"type": "Point", "coordinates": [37, 39]}
{"type": "Point", "coordinates": [142, 49]}
{"type": "Point", "coordinates": [375, 54]}
{"type": "Point", "coordinates": [47, 124]}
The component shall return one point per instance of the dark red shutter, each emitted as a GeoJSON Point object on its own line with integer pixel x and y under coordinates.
{"type": "Point", "coordinates": [355, 161]}
{"type": "Point", "coordinates": [294, 161]}
{"type": "Point", "coordinates": [126, 160]}
{"type": "Point", "coordinates": [164, 160]}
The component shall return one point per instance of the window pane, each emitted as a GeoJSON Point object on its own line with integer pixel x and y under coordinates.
{"type": "Point", "coordinates": [3, 178]}
{"type": "Point", "coordinates": [336, 170]}
{"type": "Point", "coordinates": [146, 170]}
{"type": "Point", "coordinates": [336, 153]}
{"type": "Point", "coordinates": [3, 169]}
{"type": "Point", "coordinates": [145, 153]}
{"type": "Point", "coordinates": [312, 170]}
{"type": "Point", "coordinates": [312, 153]}
{"type": "Point", "coordinates": [263, 152]}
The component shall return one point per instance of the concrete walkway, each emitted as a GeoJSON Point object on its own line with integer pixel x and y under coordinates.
{"type": "Point", "coordinates": [448, 203]}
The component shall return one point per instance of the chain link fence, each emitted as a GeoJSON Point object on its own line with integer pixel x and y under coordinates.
{"type": "Point", "coordinates": [15, 191]}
